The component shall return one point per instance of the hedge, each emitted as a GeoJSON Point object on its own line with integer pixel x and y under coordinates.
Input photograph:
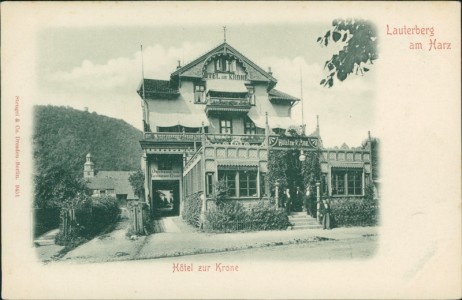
{"type": "Point", "coordinates": [192, 209]}
{"type": "Point", "coordinates": [92, 216]}
{"type": "Point", "coordinates": [233, 216]}
{"type": "Point", "coordinates": [354, 212]}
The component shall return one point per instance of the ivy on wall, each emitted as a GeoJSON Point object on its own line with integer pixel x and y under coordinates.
{"type": "Point", "coordinates": [285, 168]}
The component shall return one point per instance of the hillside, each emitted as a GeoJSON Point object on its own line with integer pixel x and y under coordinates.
{"type": "Point", "coordinates": [63, 136]}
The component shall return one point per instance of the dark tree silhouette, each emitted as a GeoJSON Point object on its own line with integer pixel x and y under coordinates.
{"type": "Point", "coordinates": [359, 51]}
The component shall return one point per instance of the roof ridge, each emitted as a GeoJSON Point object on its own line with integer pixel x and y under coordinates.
{"type": "Point", "coordinates": [193, 62]}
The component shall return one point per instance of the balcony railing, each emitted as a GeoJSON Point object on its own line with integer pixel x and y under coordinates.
{"type": "Point", "coordinates": [172, 137]}
{"type": "Point", "coordinates": [252, 139]}
{"type": "Point", "coordinates": [231, 102]}
{"type": "Point", "coordinates": [214, 138]}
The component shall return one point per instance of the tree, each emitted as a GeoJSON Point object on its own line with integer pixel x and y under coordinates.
{"type": "Point", "coordinates": [137, 182]}
{"type": "Point", "coordinates": [360, 49]}
{"type": "Point", "coordinates": [55, 186]}
{"type": "Point", "coordinates": [375, 149]}
{"type": "Point", "coordinates": [63, 137]}
{"type": "Point", "coordinates": [311, 170]}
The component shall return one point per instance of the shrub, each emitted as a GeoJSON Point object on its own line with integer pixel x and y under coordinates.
{"type": "Point", "coordinates": [369, 192]}
{"type": "Point", "coordinates": [91, 216]}
{"type": "Point", "coordinates": [233, 216]}
{"type": "Point", "coordinates": [192, 209]}
{"type": "Point", "coordinates": [265, 216]}
{"type": "Point", "coordinates": [354, 212]}
{"type": "Point", "coordinates": [225, 217]}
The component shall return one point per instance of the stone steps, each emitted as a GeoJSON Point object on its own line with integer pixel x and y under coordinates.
{"type": "Point", "coordinates": [300, 220]}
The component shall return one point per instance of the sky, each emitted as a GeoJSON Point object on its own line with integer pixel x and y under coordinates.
{"type": "Point", "coordinates": [99, 67]}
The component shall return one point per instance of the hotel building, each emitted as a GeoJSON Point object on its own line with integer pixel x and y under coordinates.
{"type": "Point", "coordinates": [217, 118]}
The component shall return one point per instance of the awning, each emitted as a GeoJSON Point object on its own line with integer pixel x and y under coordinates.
{"type": "Point", "coordinates": [226, 86]}
{"type": "Point", "coordinates": [183, 119]}
{"type": "Point", "coordinates": [237, 162]}
{"type": "Point", "coordinates": [347, 165]}
{"type": "Point", "coordinates": [240, 165]}
{"type": "Point", "coordinates": [273, 121]}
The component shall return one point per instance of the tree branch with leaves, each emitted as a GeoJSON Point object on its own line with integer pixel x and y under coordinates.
{"type": "Point", "coordinates": [359, 51]}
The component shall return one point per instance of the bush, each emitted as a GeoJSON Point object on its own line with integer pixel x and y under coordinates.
{"type": "Point", "coordinates": [369, 192]}
{"type": "Point", "coordinates": [92, 216]}
{"type": "Point", "coordinates": [225, 217]}
{"type": "Point", "coordinates": [192, 209]}
{"type": "Point", "coordinates": [265, 216]}
{"type": "Point", "coordinates": [354, 212]}
{"type": "Point", "coordinates": [232, 216]}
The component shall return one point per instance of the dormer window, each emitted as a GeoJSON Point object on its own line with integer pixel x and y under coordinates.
{"type": "Point", "coordinates": [225, 64]}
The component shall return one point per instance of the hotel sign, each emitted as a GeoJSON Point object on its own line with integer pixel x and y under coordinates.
{"type": "Point", "coordinates": [165, 174]}
{"type": "Point", "coordinates": [229, 76]}
{"type": "Point", "coordinates": [293, 142]}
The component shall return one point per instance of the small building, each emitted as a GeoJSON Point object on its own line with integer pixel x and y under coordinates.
{"type": "Point", "coordinates": [109, 183]}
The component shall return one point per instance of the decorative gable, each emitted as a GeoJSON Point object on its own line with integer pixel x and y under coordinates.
{"type": "Point", "coordinates": [240, 67]}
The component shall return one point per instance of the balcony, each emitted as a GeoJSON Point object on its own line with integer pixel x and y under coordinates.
{"type": "Point", "coordinates": [238, 139]}
{"type": "Point", "coordinates": [172, 137]}
{"type": "Point", "coordinates": [192, 141]}
{"type": "Point", "coordinates": [223, 104]}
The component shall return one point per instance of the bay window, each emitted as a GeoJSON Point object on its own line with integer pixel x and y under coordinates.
{"type": "Point", "coordinates": [347, 182]}
{"type": "Point", "coordinates": [241, 183]}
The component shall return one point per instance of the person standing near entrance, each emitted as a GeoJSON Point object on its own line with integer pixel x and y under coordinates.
{"type": "Point", "coordinates": [298, 200]}
{"type": "Point", "coordinates": [288, 201]}
{"type": "Point", "coordinates": [326, 214]}
{"type": "Point", "coordinates": [306, 201]}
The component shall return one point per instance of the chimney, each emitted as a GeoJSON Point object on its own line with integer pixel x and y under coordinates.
{"type": "Point", "coordinates": [179, 65]}
{"type": "Point", "coordinates": [269, 71]}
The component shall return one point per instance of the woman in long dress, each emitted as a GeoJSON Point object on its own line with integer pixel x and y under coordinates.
{"type": "Point", "coordinates": [326, 217]}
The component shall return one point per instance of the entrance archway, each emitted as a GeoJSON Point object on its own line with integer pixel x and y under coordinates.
{"type": "Point", "coordinates": [166, 197]}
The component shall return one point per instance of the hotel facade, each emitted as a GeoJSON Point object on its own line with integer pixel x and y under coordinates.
{"type": "Point", "coordinates": [216, 119]}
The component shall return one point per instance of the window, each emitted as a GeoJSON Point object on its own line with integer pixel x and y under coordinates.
{"type": "Point", "coordinates": [251, 95]}
{"type": "Point", "coordinates": [242, 183]}
{"type": "Point", "coordinates": [209, 183]}
{"type": "Point", "coordinates": [226, 125]}
{"type": "Point", "coordinates": [347, 182]}
{"type": "Point", "coordinates": [225, 64]}
{"type": "Point", "coordinates": [338, 183]}
{"type": "Point", "coordinates": [232, 68]}
{"type": "Point", "coordinates": [248, 184]}
{"type": "Point", "coordinates": [354, 183]}
{"type": "Point", "coordinates": [249, 127]}
{"type": "Point", "coordinates": [229, 177]}
{"type": "Point", "coordinates": [199, 95]}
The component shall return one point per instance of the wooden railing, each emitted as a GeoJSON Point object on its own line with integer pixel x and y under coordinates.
{"type": "Point", "coordinates": [214, 138]}
{"type": "Point", "coordinates": [172, 136]}
{"type": "Point", "coordinates": [231, 102]}
{"type": "Point", "coordinates": [252, 139]}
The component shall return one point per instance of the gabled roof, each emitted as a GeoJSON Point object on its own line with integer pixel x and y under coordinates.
{"type": "Point", "coordinates": [195, 68]}
{"type": "Point", "coordinates": [156, 86]}
{"type": "Point", "coordinates": [112, 180]}
{"type": "Point", "coordinates": [278, 95]}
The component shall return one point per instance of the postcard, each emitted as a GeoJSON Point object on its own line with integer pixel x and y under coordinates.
{"type": "Point", "coordinates": [287, 150]}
